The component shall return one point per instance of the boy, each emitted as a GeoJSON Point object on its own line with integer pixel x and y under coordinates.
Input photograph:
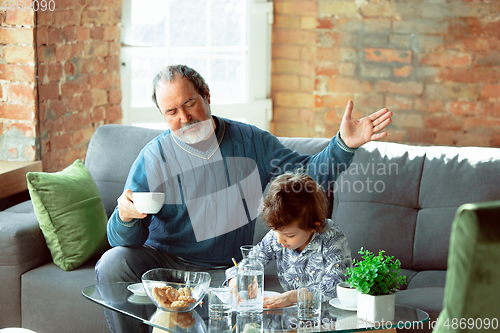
{"type": "Point", "coordinates": [310, 250]}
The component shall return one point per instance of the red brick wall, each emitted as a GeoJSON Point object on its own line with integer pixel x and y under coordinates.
{"type": "Point", "coordinates": [435, 64]}
{"type": "Point", "coordinates": [17, 87]}
{"type": "Point", "coordinates": [77, 57]}
{"type": "Point", "coordinates": [79, 76]}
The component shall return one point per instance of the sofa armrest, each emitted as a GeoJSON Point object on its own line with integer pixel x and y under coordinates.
{"type": "Point", "coordinates": [21, 241]}
{"type": "Point", "coordinates": [22, 248]}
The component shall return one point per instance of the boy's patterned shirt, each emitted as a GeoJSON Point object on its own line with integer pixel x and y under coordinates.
{"type": "Point", "coordinates": [323, 262]}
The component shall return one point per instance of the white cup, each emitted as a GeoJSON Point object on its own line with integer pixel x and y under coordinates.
{"type": "Point", "coordinates": [347, 296]}
{"type": "Point", "coordinates": [148, 202]}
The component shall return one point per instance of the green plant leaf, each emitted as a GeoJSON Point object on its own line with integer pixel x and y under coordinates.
{"type": "Point", "coordinates": [375, 274]}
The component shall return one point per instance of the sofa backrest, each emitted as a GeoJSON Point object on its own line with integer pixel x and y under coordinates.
{"type": "Point", "coordinates": [402, 199]}
{"type": "Point", "coordinates": [395, 197]}
{"type": "Point", "coordinates": [111, 152]}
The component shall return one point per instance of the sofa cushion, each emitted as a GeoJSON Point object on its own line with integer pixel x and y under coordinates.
{"type": "Point", "coordinates": [450, 177]}
{"type": "Point", "coordinates": [428, 279]}
{"type": "Point", "coordinates": [379, 191]}
{"type": "Point", "coordinates": [428, 299]}
{"type": "Point", "coordinates": [52, 300]}
{"type": "Point", "coordinates": [22, 248]}
{"type": "Point", "coordinates": [23, 207]}
{"type": "Point", "coordinates": [70, 213]}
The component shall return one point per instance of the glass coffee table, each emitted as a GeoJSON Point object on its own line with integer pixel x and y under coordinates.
{"type": "Point", "coordinates": [116, 297]}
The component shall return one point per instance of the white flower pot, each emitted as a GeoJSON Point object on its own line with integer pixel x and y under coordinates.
{"type": "Point", "coordinates": [376, 308]}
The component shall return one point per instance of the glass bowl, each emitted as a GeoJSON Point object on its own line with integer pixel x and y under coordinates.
{"type": "Point", "coordinates": [175, 290]}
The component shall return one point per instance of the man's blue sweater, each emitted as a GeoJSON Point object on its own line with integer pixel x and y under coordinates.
{"type": "Point", "coordinates": [212, 197]}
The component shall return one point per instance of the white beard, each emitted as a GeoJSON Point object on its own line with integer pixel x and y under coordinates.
{"type": "Point", "coordinates": [205, 128]}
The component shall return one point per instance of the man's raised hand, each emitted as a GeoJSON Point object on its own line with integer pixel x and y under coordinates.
{"type": "Point", "coordinates": [356, 133]}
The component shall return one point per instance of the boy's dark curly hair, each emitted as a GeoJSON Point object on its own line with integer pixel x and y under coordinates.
{"type": "Point", "coordinates": [295, 197]}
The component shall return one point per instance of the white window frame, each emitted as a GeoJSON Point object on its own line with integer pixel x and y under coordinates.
{"type": "Point", "coordinates": [258, 110]}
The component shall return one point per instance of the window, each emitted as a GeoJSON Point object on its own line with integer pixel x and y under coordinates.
{"type": "Point", "coordinates": [227, 41]}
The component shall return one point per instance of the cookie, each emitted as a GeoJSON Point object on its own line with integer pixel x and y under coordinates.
{"type": "Point", "coordinates": [179, 304]}
{"type": "Point", "coordinates": [186, 298]}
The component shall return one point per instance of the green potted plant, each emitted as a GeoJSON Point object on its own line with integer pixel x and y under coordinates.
{"type": "Point", "coordinates": [376, 278]}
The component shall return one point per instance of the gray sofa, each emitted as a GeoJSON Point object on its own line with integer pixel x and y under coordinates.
{"type": "Point", "coordinates": [406, 210]}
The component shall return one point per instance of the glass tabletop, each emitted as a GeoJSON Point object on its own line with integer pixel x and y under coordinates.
{"type": "Point", "coordinates": [117, 297]}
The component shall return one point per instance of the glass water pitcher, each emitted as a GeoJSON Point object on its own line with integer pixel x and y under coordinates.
{"type": "Point", "coordinates": [250, 283]}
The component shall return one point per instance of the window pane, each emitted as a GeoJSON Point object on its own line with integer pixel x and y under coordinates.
{"type": "Point", "coordinates": [197, 61]}
{"type": "Point", "coordinates": [227, 81]}
{"type": "Point", "coordinates": [188, 23]}
{"type": "Point", "coordinates": [207, 35]}
{"type": "Point", "coordinates": [228, 23]}
{"type": "Point", "coordinates": [224, 73]}
{"type": "Point", "coordinates": [144, 69]}
{"type": "Point", "coordinates": [148, 25]}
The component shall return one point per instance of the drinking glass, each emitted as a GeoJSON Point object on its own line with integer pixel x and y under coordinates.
{"type": "Point", "coordinates": [309, 303]}
{"type": "Point", "coordinates": [220, 301]}
{"type": "Point", "coordinates": [246, 249]}
{"type": "Point", "coordinates": [253, 324]}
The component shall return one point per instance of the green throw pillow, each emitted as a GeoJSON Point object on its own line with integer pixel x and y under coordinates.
{"type": "Point", "coordinates": [70, 212]}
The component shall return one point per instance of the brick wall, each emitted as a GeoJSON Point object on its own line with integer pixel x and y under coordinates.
{"type": "Point", "coordinates": [77, 57]}
{"type": "Point", "coordinates": [17, 86]}
{"type": "Point", "coordinates": [435, 64]}
{"type": "Point", "coordinates": [79, 76]}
